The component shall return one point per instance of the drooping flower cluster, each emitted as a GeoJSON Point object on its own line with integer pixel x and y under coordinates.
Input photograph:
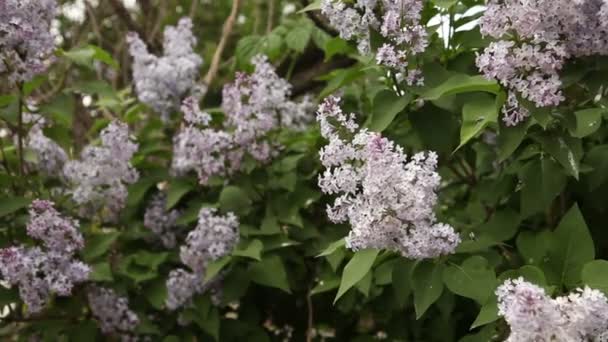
{"type": "Point", "coordinates": [112, 311]}
{"type": "Point", "coordinates": [387, 198]}
{"type": "Point", "coordinates": [163, 82]}
{"type": "Point", "coordinates": [397, 21]}
{"type": "Point", "coordinates": [51, 270]}
{"type": "Point", "coordinates": [534, 41]}
{"type": "Point", "coordinates": [26, 44]}
{"type": "Point", "coordinates": [100, 178]}
{"type": "Point", "coordinates": [160, 221]}
{"type": "Point", "coordinates": [534, 316]}
{"type": "Point", "coordinates": [214, 237]}
{"type": "Point", "coordinates": [254, 105]}
{"type": "Point", "coordinates": [50, 156]}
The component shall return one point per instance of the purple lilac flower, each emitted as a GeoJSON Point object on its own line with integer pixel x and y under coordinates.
{"type": "Point", "coordinates": [214, 237]}
{"type": "Point", "coordinates": [43, 272]}
{"type": "Point", "coordinates": [162, 82]}
{"type": "Point", "coordinates": [100, 178]}
{"type": "Point", "coordinates": [26, 44]}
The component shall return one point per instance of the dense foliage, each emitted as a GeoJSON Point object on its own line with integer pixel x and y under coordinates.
{"type": "Point", "coordinates": [278, 170]}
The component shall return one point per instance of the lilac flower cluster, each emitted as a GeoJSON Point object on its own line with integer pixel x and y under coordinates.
{"type": "Point", "coordinates": [26, 44]}
{"type": "Point", "coordinates": [160, 221]}
{"type": "Point", "coordinates": [214, 237]}
{"type": "Point", "coordinates": [162, 82]}
{"type": "Point", "coordinates": [534, 316]}
{"type": "Point", "coordinates": [50, 156]}
{"type": "Point", "coordinates": [398, 21]}
{"type": "Point", "coordinates": [534, 41]}
{"type": "Point", "coordinates": [254, 105]}
{"type": "Point", "coordinates": [112, 312]}
{"type": "Point", "coordinates": [52, 270]}
{"type": "Point", "coordinates": [387, 197]}
{"type": "Point", "coordinates": [101, 176]}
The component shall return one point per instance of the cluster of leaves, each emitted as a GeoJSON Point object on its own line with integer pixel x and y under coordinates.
{"type": "Point", "coordinates": [527, 200]}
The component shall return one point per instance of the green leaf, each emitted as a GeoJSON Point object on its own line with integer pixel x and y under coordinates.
{"type": "Point", "coordinates": [570, 249]}
{"type": "Point", "coordinates": [445, 4]}
{"type": "Point", "coordinates": [9, 205]}
{"type": "Point", "coordinates": [597, 158]}
{"type": "Point", "coordinates": [101, 272]}
{"type": "Point", "coordinates": [387, 105]}
{"type": "Point", "coordinates": [85, 56]}
{"type": "Point", "coordinates": [461, 83]}
{"type": "Point", "coordinates": [356, 269]}
{"type": "Point", "coordinates": [502, 226]}
{"type": "Point", "coordinates": [566, 150]}
{"type": "Point", "coordinates": [270, 272]}
{"type": "Point", "coordinates": [339, 78]}
{"type": "Point", "coordinates": [98, 244]}
{"type": "Point", "coordinates": [234, 199]}
{"type": "Point", "coordinates": [427, 284]}
{"type": "Point", "coordinates": [533, 246]}
{"type": "Point", "coordinates": [509, 139]}
{"type": "Point", "coordinates": [298, 38]}
{"type": "Point", "coordinates": [156, 293]}
{"type": "Point", "coordinates": [60, 109]}
{"type": "Point", "coordinates": [142, 265]}
{"type": "Point", "coordinates": [487, 314]}
{"type": "Point", "coordinates": [595, 275]}
{"type": "Point", "coordinates": [138, 191]}
{"type": "Point", "coordinates": [530, 273]}
{"type": "Point", "coordinates": [313, 6]}
{"type": "Point", "coordinates": [253, 250]}
{"type": "Point", "coordinates": [333, 247]}
{"type": "Point", "coordinates": [336, 46]}
{"type": "Point", "coordinates": [588, 121]}
{"type": "Point", "coordinates": [543, 180]}
{"type": "Point", "coordinates": [177, 190]}
{"type": "Point", "coordinates": [325, 286]}
{"type": "Point", "coordinates": [402, 285]}
{"type": "Point", "coordinates": [473, 279]}
{"type": "Point", "coordinates": [215, 267]}
{"type": "Point", "coordinates": [365, 284]}
{"type": "Point", "coordinates": [477, 113]}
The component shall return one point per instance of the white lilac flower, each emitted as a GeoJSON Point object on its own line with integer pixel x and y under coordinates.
{"type": "Point", "coordinates": [548, 33]}
{"type": "Point", "coordinates": [214, 237]}
{"type": "Point", "coordinates": [42, 272]}
{"type": "Point", "coordinates": [26, 42]}
{"type": "Point", "coordinates": [163, 82]}
{"type": "Point", "coordinates": [101, 176]}
{"type": "Point", "coordinates": [397, 21]}
{"type": "Point", "coordinates": [111, 311]}
{"type": "Point", "coordinates": [534, 316]}
{"type": "Point", "coordinates": [387, 198]}
{"type": "Point", "coordinates": [160, 221]}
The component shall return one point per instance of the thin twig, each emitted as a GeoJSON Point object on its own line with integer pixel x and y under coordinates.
{"type": "Point", "coordinates": [94, 23]}
{"type": "Point", "coordinates": [309, 331]}
{"type": "Point", "coordinates": [226, 32]}
{"type": "Point", "coordinates": [131, 25]}
{"type": "Point", "coordinates": [193, 8]}
{"type": "Point", "coordinates": [270, 19]}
